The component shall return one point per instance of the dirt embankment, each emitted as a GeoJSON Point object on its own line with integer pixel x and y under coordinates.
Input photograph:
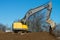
{"type": "Point", "coordinates": [27, 36]}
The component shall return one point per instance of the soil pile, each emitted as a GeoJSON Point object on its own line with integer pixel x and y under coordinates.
{"type": "Point", "coordinates": [26, 36]}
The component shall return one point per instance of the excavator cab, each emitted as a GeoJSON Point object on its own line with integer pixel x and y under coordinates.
{"type": "Point", "coordinates": [18, 26]}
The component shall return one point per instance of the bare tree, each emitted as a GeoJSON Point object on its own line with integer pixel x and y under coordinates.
{"type": "Point", "coordinates": [36, 20]}
{"type": "Point", "coordinates": [2, 27]}
{"type": "Point", "coordinates": [57, 30]}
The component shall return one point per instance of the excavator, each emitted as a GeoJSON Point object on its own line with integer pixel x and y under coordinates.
{"type": "Point", "coordinates": [22, 24]}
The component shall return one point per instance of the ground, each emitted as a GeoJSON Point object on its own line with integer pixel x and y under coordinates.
{"type": "Point", "coordinates": [26, 36]}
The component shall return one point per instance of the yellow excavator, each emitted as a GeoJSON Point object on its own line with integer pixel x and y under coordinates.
{"type": "Point", "coordinates": [22, 26]}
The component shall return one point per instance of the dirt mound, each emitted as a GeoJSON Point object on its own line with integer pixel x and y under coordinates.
{"type": "Point", "coordinates": [26, 36]}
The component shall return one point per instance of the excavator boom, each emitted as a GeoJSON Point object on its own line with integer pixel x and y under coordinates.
{"type": "Point", "coordinates": [33, 11]}
{"type": "Point", "coordinates": [37, 9]}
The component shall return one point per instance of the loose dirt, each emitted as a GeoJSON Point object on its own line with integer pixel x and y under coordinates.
{"type": "Point", "coordinates": [26, 36]}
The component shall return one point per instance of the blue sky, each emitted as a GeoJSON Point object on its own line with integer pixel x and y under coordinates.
{"type": "Point", "coordinates": [11, 10]}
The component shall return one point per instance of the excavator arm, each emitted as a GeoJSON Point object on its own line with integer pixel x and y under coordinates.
{"type": "Point", "coordinates": [37, 9]}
